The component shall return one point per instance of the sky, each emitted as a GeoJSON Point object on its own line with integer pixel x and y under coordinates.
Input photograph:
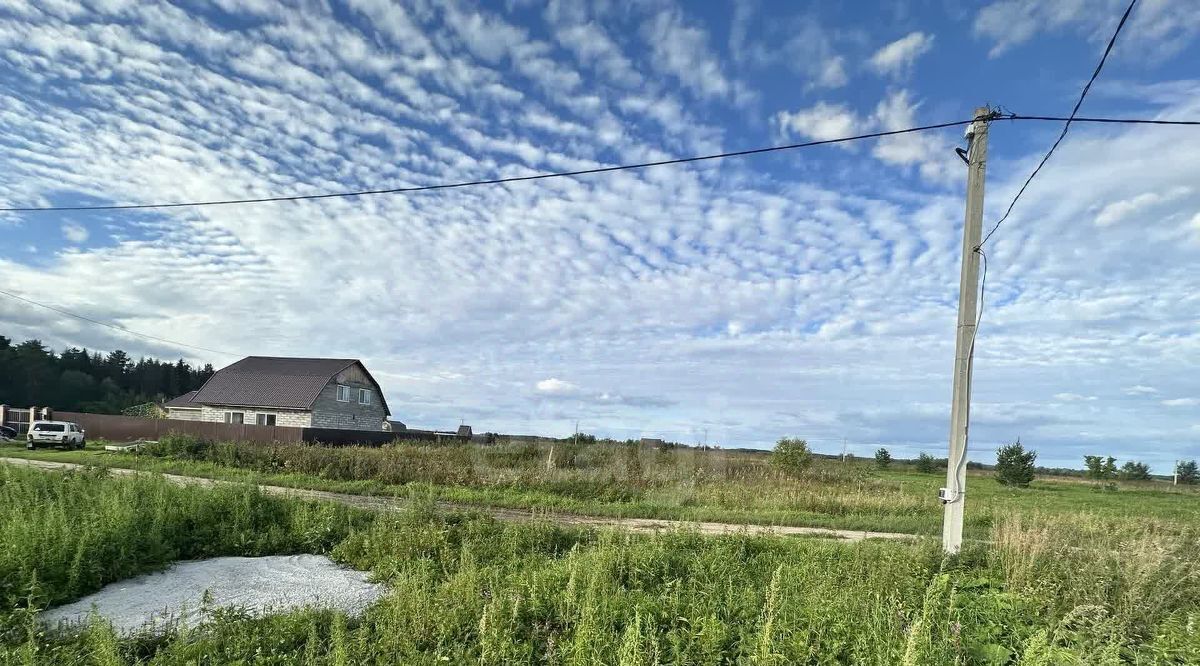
{"type": "Point", "coordinates": [808, 293]}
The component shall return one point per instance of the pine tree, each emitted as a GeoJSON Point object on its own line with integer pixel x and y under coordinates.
{"type": "Point", "coordinates": [1014, 465]}
{"type": "Point", "coordinates": [1185, 472]}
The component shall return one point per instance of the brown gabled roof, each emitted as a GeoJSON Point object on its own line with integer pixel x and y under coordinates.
{"type": "Point", "coordinates": [184, 400]}
{"type": "Point", "coordinates": [273, 381]}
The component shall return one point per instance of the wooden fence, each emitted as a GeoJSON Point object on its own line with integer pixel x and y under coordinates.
{"type": "Point", "coordinates": [131, 428]}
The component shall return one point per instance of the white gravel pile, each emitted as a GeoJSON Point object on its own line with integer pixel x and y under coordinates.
{"type": "Point", "coordinates": [257, 585]}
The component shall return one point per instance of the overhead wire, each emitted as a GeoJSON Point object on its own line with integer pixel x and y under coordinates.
{"type": "Point", "coordinates": [115, 327]}
{"type": "Point", "coordinates": [962, 461]}
{"type": "Point", "coordinates": [497, 181]}
{"type": "Point", "coordinates": [568, 174]}
{"type": "Point", "coordinates": [1067, 125]}
{"type": "Point", "coordinates": [1110, 121]}
{"type": "Point", "coordinates": [1073, 118]}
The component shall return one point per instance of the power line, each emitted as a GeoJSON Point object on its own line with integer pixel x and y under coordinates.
{"type": "Point", "coordinates": [496, 181]}
{"type": "Point", "coordinates": [1082, 95]}
{"type": "Point", "coordinates": [1113, 121]}
{"type": "Point", "coordinates": [581, 172]}
{"type": "Point", "coordinates": [114, 326]}
{"type": "Point", "coordinates": [952, 531]}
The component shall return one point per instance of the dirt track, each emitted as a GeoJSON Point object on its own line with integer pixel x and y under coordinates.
{"type": "Point", "coordinates": [393, 504]}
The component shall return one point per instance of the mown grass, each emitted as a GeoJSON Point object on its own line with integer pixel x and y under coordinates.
{"type": "Point", "coordinates": [467, 589]}
{"type": "Point", "coordinates": [628, 481]}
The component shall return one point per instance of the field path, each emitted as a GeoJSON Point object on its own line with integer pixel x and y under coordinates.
{"type": "Point", "coordinates": [376, 503]}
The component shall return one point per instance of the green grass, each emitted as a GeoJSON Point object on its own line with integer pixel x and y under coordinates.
{"type": "Point", "coordinates": [622, 481]}
{"type": "Point", "coordinates": [465, 589]}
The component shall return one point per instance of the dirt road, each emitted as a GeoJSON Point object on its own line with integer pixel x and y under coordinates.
{"type": "Point", "coordinates": [394, 504]}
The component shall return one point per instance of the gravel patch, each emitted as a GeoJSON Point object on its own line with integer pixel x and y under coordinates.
{"type": "Point", "coordinates": [256, 585]}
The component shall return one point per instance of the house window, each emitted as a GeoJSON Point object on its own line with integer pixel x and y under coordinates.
{"type": "Point", "coordinates": [264, 419]}
{"type": "Point", "coordinates": [343, 393]}
{"type": "Point", "coordinates": [235, 417]}
{"type": "Point", "coordinates": [364, 397]}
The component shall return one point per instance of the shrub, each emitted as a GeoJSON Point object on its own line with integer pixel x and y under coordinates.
{"type": "Point", "coordinates": [1185, 472]}
{"type": "Point", "coordinates": [1014, 465]}
{"type": "Point", "coordinates": [1100, 468]}
{"type": "Point", "coordinates": [1135, 471]}
{"type": "Point", "coordinates": [883, 458]}
{"type": "Point", "coordinates": [791, 456]}
{"type": "Point", "coordinates": [926, 464]}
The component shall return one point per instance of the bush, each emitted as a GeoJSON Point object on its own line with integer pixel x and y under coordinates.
{"type": "Point", "coordinates": [1185, 472]}
{"type": "Point", "coordinates": [1135, 471]}
{"type": "Point", "coordinates": [1014, 465]}
{"type": "Point", "coordinates": [883, 458]}
{"type": "Point", "coordinates": [927, 464]}
{"type": "Point", "coordinates": [1100, 468]}
{"type": "Point", "coordinates": [791, 456]}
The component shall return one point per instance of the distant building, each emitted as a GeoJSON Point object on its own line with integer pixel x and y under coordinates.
{"type": "Point", "coordinates": [300, 392]}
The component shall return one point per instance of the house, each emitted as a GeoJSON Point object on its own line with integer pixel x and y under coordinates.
{"type": "Point", "coordinates": [301, 392]}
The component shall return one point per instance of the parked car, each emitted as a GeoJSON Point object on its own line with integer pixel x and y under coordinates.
{"type": "Point", "coordinates": [55, 433]}
{"type": "Point", "coordinates": [7, 433]}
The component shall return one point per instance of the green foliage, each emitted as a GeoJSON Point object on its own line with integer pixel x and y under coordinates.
{"type": "Point", "coordinates": [1185, 472]}
{"type": "Point", "coordinates": [581, 438]}
{"type": "Point", "coordinates": [883, 459]}
{"type": "Point", "coordinates": [79, 380]}
{"type": "Point", "coordinates": [68, 534]}
{"type": "Point", "coordinates": [468, 589]}
{"type": "Point", "coordinates": [927, 464]}
{"type": "Point", "coordinates": [1135, 471]}
{"type": "Point", "coordinates": [1099, 468]}
{"type": "Point", "coordinates": [1015, 465]}
{"type": "Point", "coordinates": [791, 456]}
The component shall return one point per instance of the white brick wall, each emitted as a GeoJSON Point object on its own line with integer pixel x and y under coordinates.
{"type": "Point", "coordinates": [283, 417]}
{"type": "Point", "coordinates": [329, 412]}
{"type": "Point", "coordinates": [183, 414]}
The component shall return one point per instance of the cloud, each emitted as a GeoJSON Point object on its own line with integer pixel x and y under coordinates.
{"type": "Point", "coordinates": [1139, 389]}
{"type": "Point", "coordinates": [820, 122]}
{"type": "Point", "coordinates": [751, 297]}
{"type": "Point", "coordinates": [74, 233]}
{"type": "Point", "coordinates": [898, 57]}
{"type": "Point", "coordinates": [1182, 402]}
{"type": "Point", "coordinates": [1074, 397]}
{"type": "Point", "coordinates": [681, 50]}
{"type": "Point", "coordinates": [831, 73]}
{"type": "Point", "coordinates": [924, 152]}
{"type": "Point", "coordinates": [1156, 30]}
{"type": "Point", "coordinates": [556, 386]}
{"type": "Point", "coordinates": [1120, 210]}
{"type": "Point", "coordinates": [810, 50]}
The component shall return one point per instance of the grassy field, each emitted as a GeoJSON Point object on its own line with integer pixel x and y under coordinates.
{"type": "Point", "coordinates": [1048, 589]}
{"type": "Point", "coordinates": [628, 481]}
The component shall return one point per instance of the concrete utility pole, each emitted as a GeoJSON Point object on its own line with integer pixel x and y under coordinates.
{"type": "Point", "coordinates": [953, 496]}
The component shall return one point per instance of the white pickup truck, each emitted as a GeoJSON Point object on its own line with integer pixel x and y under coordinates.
{"type": "Point", "coordinates": [55, 433]}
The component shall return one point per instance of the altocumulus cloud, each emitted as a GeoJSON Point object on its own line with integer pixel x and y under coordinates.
{"type": "Point", "coordinates": [810, 294]}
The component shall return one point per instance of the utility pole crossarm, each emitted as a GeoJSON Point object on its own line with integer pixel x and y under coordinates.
{"type": "Point", "coordinates": [953, 496]}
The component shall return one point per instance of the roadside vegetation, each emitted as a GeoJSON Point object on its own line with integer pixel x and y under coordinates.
{"type": "Point", "coordinates": [467, 589]}
{"type": "Point", "coordinates": [791, 486]}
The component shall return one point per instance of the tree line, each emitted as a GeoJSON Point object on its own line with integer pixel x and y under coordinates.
{"type": "Point", "coordinates": [1015, 465]}
{"type": "Point", "coordinates": [78, 380]}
